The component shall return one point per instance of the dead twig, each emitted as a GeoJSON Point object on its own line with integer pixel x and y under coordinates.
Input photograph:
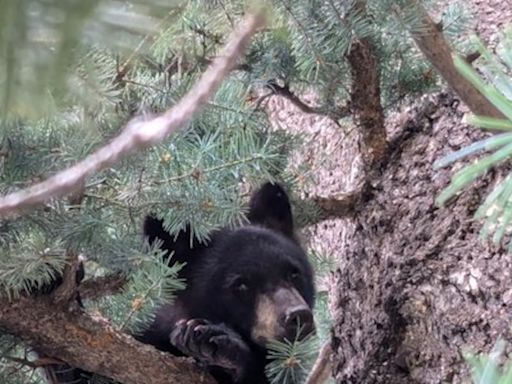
{"type": "Point", "coordinates": [67, 290]}
{"type": "Point", "coordinates": [339, 206]}
{"type": "Point", "coordinates": [38, 363]}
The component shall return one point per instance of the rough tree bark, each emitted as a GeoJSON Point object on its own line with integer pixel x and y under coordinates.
{"type": "Point", "coordinates": [365, 100]}
{"type": "Point", "coordinates": [415, 288]}
{"type": "Point", "coordinates": [90, 344]}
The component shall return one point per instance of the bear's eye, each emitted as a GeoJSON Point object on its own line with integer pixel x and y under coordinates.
{"type": "Point", "coordinates": [294, 275]}
{"type": "Point", "coordinates": [240, 285]}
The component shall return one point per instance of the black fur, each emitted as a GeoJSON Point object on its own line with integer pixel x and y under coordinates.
{"type": "Point", "coordinates": [270, 207]}
{"type": "Point", "coordinates": [210, 320]}
{"type": "Point", "coordinates": [213, 319]}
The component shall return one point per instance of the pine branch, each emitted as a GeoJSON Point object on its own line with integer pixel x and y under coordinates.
{"type": "Point", "coordinates": [93, 345]}
{"type": "Point", "coordinates": [365, 98]}
{"type": "Point", "coordinates": [432, 44]}
{"type": "Point", "coordinates": [66, 292]}
{"type": "Point", "coordinates": [138, 134]}
{"type": "Point", "coordinates": [346, 205]}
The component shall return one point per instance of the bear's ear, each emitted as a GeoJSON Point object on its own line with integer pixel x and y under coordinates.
{"type": "Point", "coordinates": [270, 207]}
{"type": "Point", "coordinates": [181, 245]}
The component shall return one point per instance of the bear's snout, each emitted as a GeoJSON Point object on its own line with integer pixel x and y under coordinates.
{"type": "Point", "coordinates": [282, 314]}
{"type": "Point", "coordinates": [298, 322]}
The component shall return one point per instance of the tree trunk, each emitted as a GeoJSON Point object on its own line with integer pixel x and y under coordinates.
{"type": "Point", "coordinates": [416, 288]}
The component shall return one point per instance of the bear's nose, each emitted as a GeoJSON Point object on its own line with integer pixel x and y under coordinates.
{"type": "Point", "coordinates": [298, 322]}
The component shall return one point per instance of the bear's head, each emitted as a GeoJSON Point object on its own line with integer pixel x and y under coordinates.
{"type": "Point", "coordinates": [256, 279]}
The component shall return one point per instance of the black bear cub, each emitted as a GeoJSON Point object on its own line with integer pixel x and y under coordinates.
{"type": "Point", "coordinates": [245, 287]}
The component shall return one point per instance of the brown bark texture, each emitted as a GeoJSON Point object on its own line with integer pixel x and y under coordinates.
{"type": "Point", "coordinates": [93, 345]}
{"type": "Point", "coordinates": [415, 287]}
{"type": "Point", "coordinates": [365, 101]}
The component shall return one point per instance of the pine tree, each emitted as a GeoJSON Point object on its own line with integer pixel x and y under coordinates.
{"type": "Point", "coordinates": [92, 66]}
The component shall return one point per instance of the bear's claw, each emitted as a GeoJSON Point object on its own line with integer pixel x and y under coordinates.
{"type": "Point", "coordinates": [211, 344]}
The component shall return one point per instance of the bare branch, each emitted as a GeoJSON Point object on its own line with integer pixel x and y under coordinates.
{"type": "Point", "coordinates": [93, 345]}
{"type": "Point", "coordinates": [436, 49]}
{"type": "Point", "coordinates": [322, 368]}
{"type": "Point", "coordinates": [138, 134]}
{"type": "Point", "coordinates": [295, 100]}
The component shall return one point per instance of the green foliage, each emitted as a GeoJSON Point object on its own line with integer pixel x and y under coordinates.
{"type": "Point", "coordinates": [310, 40]}
{"type": "Point", "coordinates": [456, 20]}
{"type": "Point", "coordinates": [306, 43]}
{"type": "Point", "coordinates": [196, 177]}
{"type": "Point", "coordinates": [322, 263]}
{"type": "Point", "coordinates": [151, 284]}
{"type": "Point", "coordinates": [29, 260]}
{"type": "Point", "coordinates": [290, 360]}
{"type": "Point", "coordinates": [193, 178]}
{"type": "Point", "coordinates": [488, 369]}
{"type": "Point", "coordinates": [496, 86]}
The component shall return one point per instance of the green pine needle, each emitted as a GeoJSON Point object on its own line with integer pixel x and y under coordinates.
{"type": "Point", "coordinates": [290, 360]}
{"type": "Point", "coordinates": [469, 173]}
{"type": "Point", "coordinates": [482, 145]}
{"type": "Point", "coordinates": [489, 123]}
{"type": "Point", "coordinates": [488, 369]}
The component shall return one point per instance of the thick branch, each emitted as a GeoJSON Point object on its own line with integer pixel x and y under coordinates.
{"type": "Point", "coordinates": [433, 45]}
{"type": "Point", "coordinates": [351, 204]}
{"type": "Point", "coordinates": [365, 101]}
{"type": "Point", "coordinates": [92, 345]}
{"type": "Point", "coordinates": [138, 134]}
